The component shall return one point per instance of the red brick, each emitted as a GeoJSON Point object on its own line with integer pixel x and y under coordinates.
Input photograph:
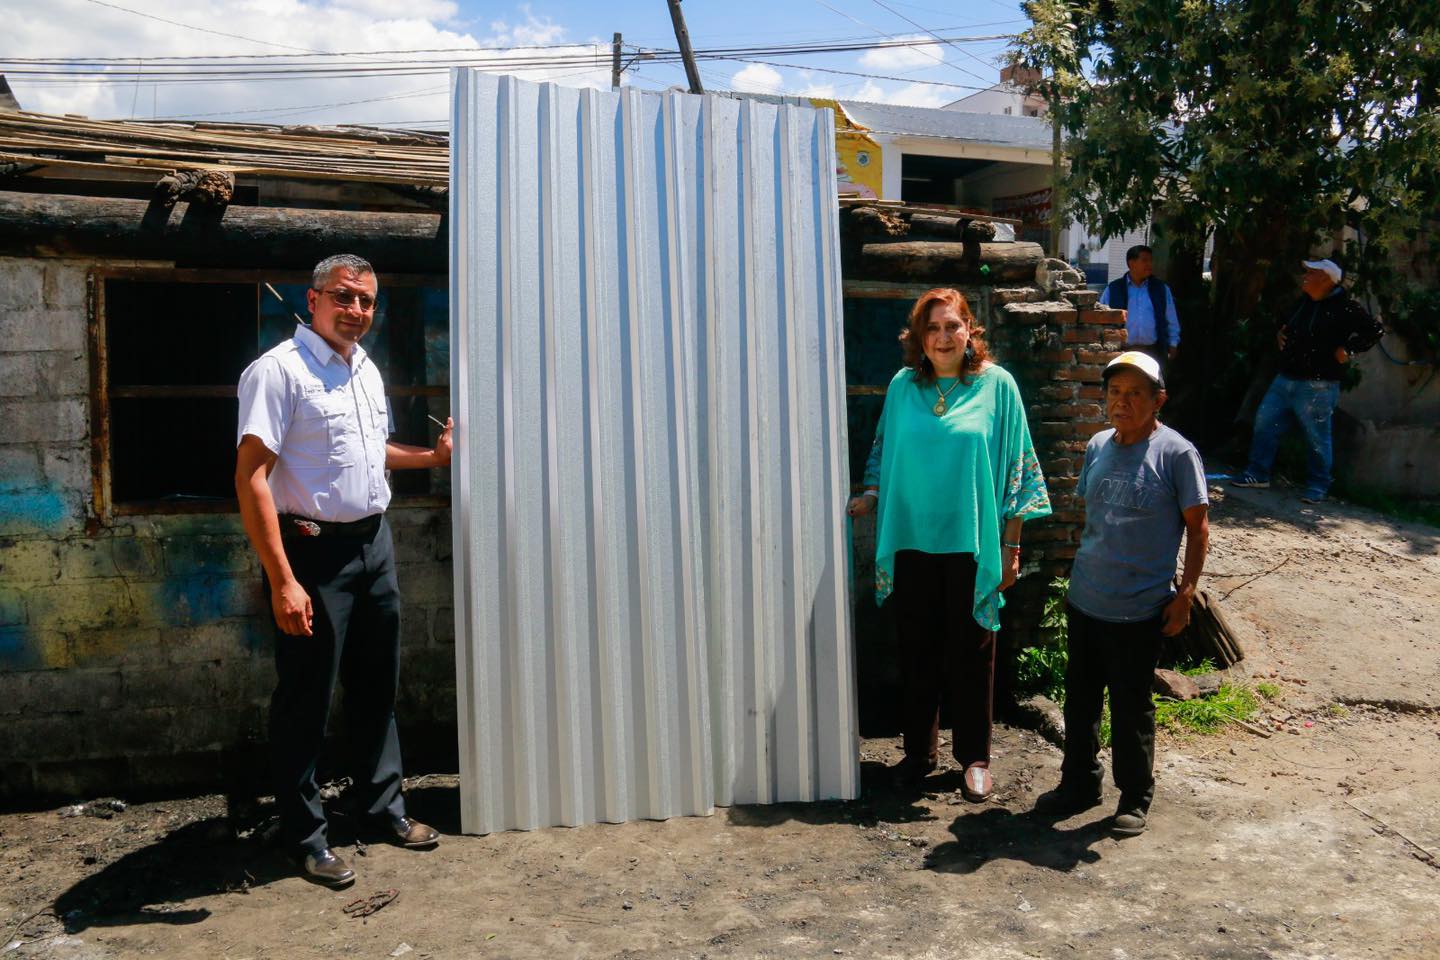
{"type": "Point", "coordinates": [1085, 334]}
{"type": "Point", "coordinates": [1105, 316]}
{"type": "Point", "coordinates": [1046, 533]}
{"type": "Point", "coordinates": [1092, 393]}
{"type": "Point", "coordinates": [1059, 481]}
{"type": "Point", "coordinates": [1071, 411]}
{"type": "Point", "coordinates": [1056, 356]}
{"type": "Point", "coordinates": [1057, 391]}
{"type": "Point", "coordinates": [1115, 336]}
{"type": "Point", "coordinates": [1088, 429]}
{"type": "Point", "coordinates": [1098, 356]}
{"type": "Point", "coordinates": [1059, 318]}
{"type": "Point", "coordinates": [1059, 465]}
{"type": "Point", "coordinates": [1068, 516]}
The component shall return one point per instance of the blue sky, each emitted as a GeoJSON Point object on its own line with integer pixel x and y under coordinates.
{"type": "Point", "coordinates": [929, 75]}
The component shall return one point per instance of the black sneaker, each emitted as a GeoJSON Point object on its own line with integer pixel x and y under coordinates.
{"type": "Point", "coordinates": [1064, 802]}
{"type": "Point", "coordinates": [1129, 822]}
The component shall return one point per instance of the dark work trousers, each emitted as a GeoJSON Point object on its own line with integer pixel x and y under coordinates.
{"type": "Point", "coordinates": [356, 601]}
{"type": "Point", "coordinates": [1122, 657]}
{"type": "Point", "coordinates": [944, 655]}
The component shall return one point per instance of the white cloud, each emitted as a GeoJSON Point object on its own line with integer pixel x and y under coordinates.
{"type": "Point", "coordinates": [891, 59]}
{"type": "Point", "coordinates": [910, 95]}
{"type": "Point", "coordinates": [75, 28]}
{"type": "Point", "coordinates": [757, 78]}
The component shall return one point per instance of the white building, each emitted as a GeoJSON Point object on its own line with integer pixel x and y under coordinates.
{"type": "Point", "coordinates": [1010, 97]}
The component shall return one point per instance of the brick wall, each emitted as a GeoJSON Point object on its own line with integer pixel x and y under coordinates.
{"type": "Point", "coordinates": [1057, 350]}
{"type": "Point", "coordinates": [137, 654]}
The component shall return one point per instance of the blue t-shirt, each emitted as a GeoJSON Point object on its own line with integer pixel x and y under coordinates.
{"type": "Point", "coordinates": [1135, 497]}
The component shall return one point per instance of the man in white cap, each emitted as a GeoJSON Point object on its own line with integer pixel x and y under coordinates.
{"type": "Point", "coordinates": [1323, 331]}
{"type": "Point", "coordinates": [1144, 489]}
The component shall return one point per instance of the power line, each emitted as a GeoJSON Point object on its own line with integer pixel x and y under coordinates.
{"type": "Point", "coordinates": [881, 3]}
{"type": "Point", "coordinates": [305, 108]}
{"type": "Point", "coordinates": [69, 67]}
{"type": "Point", "coordinates": [188, 26]}
{"type": "Point", "coordinates": [920, 50]}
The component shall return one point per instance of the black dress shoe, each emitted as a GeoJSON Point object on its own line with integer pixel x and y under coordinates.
{"type": "Point", "coordinates": [327, 868]}
{"type": "Point", "coordinates": [911, 772]}
{"type": "Point", "coordinates": [413, 834]}
{"type": "Point", "coordinates": [1064, 802]}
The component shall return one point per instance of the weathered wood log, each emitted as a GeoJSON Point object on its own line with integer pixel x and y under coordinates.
{"type": "Point", "coordinates": [210, 188]}
{"type": "Point", "coordinates": [875, 222]}
{"type": "Point", "coordinates": [195, 236]}
{"type": "Point", "coordinates": [920, 260]}
{"type": "Point", "coordinates": [935, 225]}
{"type": "Point", "coordinates": [980, 230]}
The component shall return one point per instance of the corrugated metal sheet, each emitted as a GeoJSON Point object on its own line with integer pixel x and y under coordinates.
{"type": "Point", "coordinates": [652, 606]}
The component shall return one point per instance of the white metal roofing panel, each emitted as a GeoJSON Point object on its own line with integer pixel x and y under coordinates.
{"type": "Point", "coordinates": [652, 603]}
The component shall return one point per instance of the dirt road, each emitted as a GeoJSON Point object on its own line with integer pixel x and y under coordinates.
{"type": "Point", "coordinates": [1319, 841]}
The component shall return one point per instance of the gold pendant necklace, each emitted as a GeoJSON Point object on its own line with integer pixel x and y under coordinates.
{"type": "Point", "coordinates": [940, 404]}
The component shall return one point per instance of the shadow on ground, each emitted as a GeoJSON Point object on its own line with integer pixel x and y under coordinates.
{"type": "Point", "coordinates": [218, 855]}
{"type": "Point", "coordinates": [998, 834]}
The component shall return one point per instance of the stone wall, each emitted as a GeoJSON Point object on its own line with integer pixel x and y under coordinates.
{"type": "Point", "coordinates": [137, 654]}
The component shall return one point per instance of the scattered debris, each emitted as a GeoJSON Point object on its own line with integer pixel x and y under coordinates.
{"type": "Point", "coordinates": [401, 950]}
{"type": "Point", "coordinates": [365, 906]}
{"type": "Point", "coordinates": [105, 809]}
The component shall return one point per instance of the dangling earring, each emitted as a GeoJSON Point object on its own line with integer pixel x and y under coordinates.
{"type": "Point", "coordinates": [969, 353]}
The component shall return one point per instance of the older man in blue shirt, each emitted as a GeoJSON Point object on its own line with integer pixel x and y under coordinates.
{"type": "Point", "coordinates": [1145, 297]}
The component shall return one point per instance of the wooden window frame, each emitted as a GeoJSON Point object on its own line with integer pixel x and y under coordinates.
{"type": "Point", "coordinates": [105, 507]}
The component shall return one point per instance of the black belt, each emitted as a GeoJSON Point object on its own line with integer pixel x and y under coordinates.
{"type": "Point", "coordinates": [364, 528]}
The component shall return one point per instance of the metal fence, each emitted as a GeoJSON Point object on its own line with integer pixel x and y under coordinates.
{"type": "Point", "coordinates": [651, 584]}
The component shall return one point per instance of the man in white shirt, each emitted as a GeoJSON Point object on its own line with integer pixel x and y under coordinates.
{"type": "Point", "coordinates": [313, 447]}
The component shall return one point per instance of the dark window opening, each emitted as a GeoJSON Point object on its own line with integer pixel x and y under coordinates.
{"type": "Point", "coordinates": [935, 179]}
{"type": "Point", "coordinates": [173, 354]}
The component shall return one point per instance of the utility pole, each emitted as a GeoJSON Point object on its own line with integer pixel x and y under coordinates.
{"type": "Point", "coordinates": [615, 63]}
{"type": "Point", "coordinates": [682, 37]}
{"type": "Point", "coordinates": [1057, 174]}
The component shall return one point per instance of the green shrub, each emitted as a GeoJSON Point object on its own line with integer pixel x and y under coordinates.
{"type": "Point", "coordinates": [1041, 668]}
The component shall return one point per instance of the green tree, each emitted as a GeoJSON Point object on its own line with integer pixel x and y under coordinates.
{"type": "Point", "coordinates": [1268, 125]}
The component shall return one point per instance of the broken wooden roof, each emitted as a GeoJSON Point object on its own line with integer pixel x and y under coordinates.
{"type": "Point", "coordinates": [94, 148]}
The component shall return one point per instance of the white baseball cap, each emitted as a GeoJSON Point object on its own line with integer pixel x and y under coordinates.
{"type": "Point", "coordinates": [1327, 267]}
{"type": "Point", "coordinates": [1143, 362]}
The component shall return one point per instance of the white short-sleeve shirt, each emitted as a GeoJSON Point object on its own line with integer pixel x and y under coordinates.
{"type": "Point", "coordinates": [326, 421]}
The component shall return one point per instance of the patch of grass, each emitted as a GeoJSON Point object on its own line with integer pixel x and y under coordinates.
{"type": "Point", "coordinates": [1339, 710]}
{"type": "Point", "coordinates": [1196, 669]}
{"type": "Point", "coordinates": [1041, 668]}
{"type": "Point", "coordinates": [1232, 701]}
{"type": "Point", "coordinates": [1267, 690]}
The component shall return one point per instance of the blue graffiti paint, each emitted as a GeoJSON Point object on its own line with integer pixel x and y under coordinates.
{"type": "Point", "coordinates": [16, 652]}
{"type": "Point", "coordinates": [32, 511]}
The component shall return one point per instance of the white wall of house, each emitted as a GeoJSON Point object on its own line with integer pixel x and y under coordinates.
{"type": "Point", "coordinates": [1003, 98]}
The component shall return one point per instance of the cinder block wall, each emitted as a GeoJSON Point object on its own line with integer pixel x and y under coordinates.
{"type": "Point", "coordinates": [138, 655]}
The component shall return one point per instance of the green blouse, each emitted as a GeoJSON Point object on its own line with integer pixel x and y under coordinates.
{"type": "Point", "coordinates": [948, 483]}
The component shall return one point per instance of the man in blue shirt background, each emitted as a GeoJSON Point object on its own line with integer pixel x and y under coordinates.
{"type": "Point", "coordinates": [1144, 297]}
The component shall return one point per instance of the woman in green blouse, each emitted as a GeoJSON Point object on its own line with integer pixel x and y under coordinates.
{"type": "Point", "coordinates": [952, 476]}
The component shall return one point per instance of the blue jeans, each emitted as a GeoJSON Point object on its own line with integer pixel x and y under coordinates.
{"type": "Point", "coordinates": [1309, 403]}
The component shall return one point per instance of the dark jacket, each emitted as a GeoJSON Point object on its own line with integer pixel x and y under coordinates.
{"type": "Point", "coordinates": [1314, 328]}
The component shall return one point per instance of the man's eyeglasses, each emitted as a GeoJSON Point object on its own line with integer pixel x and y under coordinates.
{"type": "Point", "coordinates": [346, 298]}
